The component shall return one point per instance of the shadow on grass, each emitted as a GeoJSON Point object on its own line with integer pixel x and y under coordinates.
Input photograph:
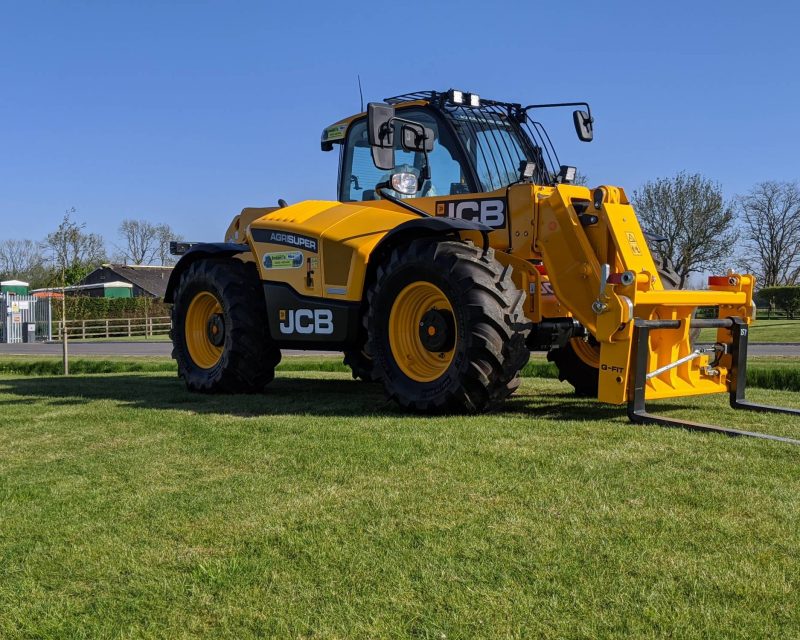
{"type": "Point", "coordinates": [284, 396]}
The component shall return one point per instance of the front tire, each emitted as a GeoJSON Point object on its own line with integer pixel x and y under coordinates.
{"type": "Point", "coordinates": [219, 329]}
{"type": "Point", "coordinates": [447, 327]}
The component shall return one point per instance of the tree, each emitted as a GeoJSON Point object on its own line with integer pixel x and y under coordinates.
{"type": "Point", "coordinates": [145, 242]}
{"type": "Point", "coordinates": [786, 298]}
{"type": "Point", "coordinates": [21, 259]}
{"type": "Point", "coordinates": [770, 217]}
{"type": "Point", "coordinates": [141, 241]}
{"type": "Point", "coordinates": [690, 212]}
{"type": "Point", "coordinates": [74, 252]}
{"type": "Point", "coordinates": [165, 236]}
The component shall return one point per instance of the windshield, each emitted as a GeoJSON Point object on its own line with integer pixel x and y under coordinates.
{"type": "Point", "coordinates": [496, 145]}
{"type": "Point", "coordinates": [360, 178]}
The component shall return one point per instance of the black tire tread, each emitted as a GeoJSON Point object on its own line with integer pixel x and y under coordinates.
{"type": "Point", "coordinates": [495, 344]}
{"type": "Point", "coordinates": [249, 356]}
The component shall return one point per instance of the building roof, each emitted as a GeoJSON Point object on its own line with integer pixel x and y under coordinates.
{"type": "Point", "coordinates": [83, 287]}
{"type": "Point", "coordinates": [13, 283]}
{"type": "Point", "coordinates": [152, 279]}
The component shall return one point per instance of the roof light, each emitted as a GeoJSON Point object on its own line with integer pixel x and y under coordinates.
{"type": "Point", "coordinates": [566, 175]}
{"type": "Point", "coordinates": [457, 97]}
{"type": "Point", "coordinates": [526, 171]}
{"type": "Point", "coordinates": [474, 100]}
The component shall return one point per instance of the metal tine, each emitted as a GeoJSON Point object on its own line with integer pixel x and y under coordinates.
{"type": "Point", "coordinates": [637, 408]}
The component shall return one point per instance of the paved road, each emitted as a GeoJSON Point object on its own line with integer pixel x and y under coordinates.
{"type": "Point", "coordinates": [139, 349]}
{"type": "Point", "coordinates": [106, 349]}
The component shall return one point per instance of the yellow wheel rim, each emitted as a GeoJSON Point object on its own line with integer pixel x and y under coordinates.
{"type": "Point", "coordinates": [405, 323]}
{"type": "Point", "coordinates": [202, 325]}
{"type": "Point", "coordinates": [589, 353]}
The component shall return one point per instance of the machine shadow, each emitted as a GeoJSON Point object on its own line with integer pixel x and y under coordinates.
{"type": "Point", "coordinates": [284, 396]}
{"type": "Point", "coordinates": [292, 396]}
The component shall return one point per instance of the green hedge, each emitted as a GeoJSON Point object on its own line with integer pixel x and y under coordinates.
{"type": "Point", "coordinates": [93, 308]}
{"type": "Point", "coordinates": [785, 298]}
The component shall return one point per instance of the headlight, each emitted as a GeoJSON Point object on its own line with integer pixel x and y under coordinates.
{"type": "Point", "coordinates": [405, 183]}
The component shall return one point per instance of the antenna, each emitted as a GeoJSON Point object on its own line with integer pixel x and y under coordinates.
{"type": "Point", "coordinates": [360, 92]}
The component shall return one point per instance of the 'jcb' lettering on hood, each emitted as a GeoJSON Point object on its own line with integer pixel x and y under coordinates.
{"type": "Point", "coordinates": [488, 211]}
{"type": "Point", "coordinates": [273, 236]}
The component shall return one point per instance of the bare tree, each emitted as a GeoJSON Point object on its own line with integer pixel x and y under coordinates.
{"type": "Point", "coordinates": [691, 213]}
{"type": "Point", "coordinates": [146, 243]}
{"type": "Point", "coordinates": [141, 241]}
{"type": "Point", "coordinates": [19, 258]}
{"type": "Point", "coordinates": [73, 251]}
{"type": "Point", "coordinates": [166, 235]}
{"type": "Point", "coordinates": [770, 217]}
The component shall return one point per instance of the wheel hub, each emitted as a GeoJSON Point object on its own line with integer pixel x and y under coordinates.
{"type": "Point", "coordinates": [215, 329]}
{"type": "Point", "coordinates": [204, 330]}
{"type": "Point", "coordinates": [422, 331]}
{"type": "Point", "coordinates": [437, 330]}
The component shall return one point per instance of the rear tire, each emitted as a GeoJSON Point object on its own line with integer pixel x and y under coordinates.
{"type": "Point", "coordinates": [360, 364]}
{"type": "Point", "coordinates": [579, 371]}
{"type": "Point", "coordinates": [219, 329]}
{"type": "Point", "coordinates": [447, 327]}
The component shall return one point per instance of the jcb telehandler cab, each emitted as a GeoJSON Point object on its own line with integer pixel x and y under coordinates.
{"type": "Point", "coordinates": [458, 244]}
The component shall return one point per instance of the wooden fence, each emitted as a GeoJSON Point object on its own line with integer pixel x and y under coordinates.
{"type": "Point", "coordinates": [113, 328]}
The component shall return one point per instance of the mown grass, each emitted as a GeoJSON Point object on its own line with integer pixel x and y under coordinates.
{"type": "Point", "coordinates": [787, 331]}
{"type": "Point", "coordinates": [767, 373]}
{"type": "Point", "coordinates": [131, 508]}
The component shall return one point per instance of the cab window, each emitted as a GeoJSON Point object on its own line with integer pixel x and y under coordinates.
{"type": "Point", "coordinates": [359, 176]}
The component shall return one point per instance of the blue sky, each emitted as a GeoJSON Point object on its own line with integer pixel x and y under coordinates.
{"type": "Point", "coordinates": [184, 112]}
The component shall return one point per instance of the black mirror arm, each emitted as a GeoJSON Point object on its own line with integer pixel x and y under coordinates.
{"type": "Point", "coordinates": [425, 173]}
{"type": "Point", "coordinates": [561, 104]}
{"type": "Point", "coordinates": [409, 207]}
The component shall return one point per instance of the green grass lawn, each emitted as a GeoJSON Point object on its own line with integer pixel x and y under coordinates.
{"type": "Point", "coordinates": [782, 373]}
{"type": "Point", "coordinates": [130, 508]}
{"type": "Point", "coordinates": [764, 331]}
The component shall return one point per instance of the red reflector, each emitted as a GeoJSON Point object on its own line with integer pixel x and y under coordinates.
{"type": "Point", "coordinates": [718, 281]}
{"type": "Point", "coordinates": [541, 269]}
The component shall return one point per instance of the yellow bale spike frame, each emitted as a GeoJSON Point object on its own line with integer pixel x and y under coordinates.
{"type": "Point", "coordinates": [601, 268]}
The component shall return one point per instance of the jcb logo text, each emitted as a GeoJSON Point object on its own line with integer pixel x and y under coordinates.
{"type": "Point", "coordinates": [489, 211]}
{"type": "Point", "coordinates": [306, 321]}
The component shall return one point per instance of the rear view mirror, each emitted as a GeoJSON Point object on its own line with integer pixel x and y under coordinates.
{"type": "Point", "coordinates": [417, 138]}
{"type": "Point", "coordinates": [583, 125]}
{"type": "Point", "coordinates": [380, 131]}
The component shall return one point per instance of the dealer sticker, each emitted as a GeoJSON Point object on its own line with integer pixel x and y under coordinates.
{"type": "Point", "coordinates": [283, 260]}
{"type": "Point", "coordinates": [336, 132]}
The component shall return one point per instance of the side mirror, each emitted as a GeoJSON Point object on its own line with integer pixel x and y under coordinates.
{"type": "Point", "coordinates": [380, 132]}
{"type": "Point", "coordinates": [417, 138]}
{"type": "Point", "coordinates": [583, 125]}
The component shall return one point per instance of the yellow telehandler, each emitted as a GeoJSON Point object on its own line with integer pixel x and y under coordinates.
{"type": "Point", "coordinates": [458, 244]}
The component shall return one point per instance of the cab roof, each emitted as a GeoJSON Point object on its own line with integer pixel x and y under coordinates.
{"type": "Point", "coordinates": [336, 133]}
